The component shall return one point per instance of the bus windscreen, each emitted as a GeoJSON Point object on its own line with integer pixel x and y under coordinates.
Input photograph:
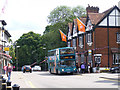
{"type": "Point", "coordinates": [67, 51]}
{"type": "Point", "coordinates": [68, 62]}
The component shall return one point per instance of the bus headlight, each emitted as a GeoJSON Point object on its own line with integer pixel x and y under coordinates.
{"type": "Point", "coordinates": [62, 70]}
{"type": "Point", "coordinates": [74, 69]}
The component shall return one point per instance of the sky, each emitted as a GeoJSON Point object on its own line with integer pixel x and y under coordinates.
{"type": "Point", "coordinates": [23, 16]}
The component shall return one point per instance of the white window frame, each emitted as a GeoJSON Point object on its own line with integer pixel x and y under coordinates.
{"type": "Point", "coordinates": [96, 59]}
{"type": "Point", "coordinates": [69, 44]}
{"type": "Point", "coordinates": [118, 37]}
{"type": "Point", "coordinates": [74, 30]}
{"type": "Point", "coordinates": [116, 58]}
{"type": "Point", "coordinates": [89, 37]}
{"type": "Point", "coordinates": [81, 41]}
{"type": "Point", "coordinates": [74, 42]}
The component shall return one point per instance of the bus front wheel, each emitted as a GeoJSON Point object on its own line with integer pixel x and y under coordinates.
{"type": "Point", "coordinates": [50, 71]}
{"type": "Point", "coordinates": [56, 71]}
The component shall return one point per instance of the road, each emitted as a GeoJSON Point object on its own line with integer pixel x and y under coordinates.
{"type": "Point", "coordinates": [46, 80]}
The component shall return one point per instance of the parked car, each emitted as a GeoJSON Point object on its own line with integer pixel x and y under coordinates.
{"type": "Point", "coordinates": [36, 68]}
{"type": "Point", "coordinates": [115, 69]}
{"type": "Point", "coordinates": [26, 68]}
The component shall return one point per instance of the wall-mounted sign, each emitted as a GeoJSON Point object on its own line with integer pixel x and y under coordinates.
{"type": "Point", "coordinates": [89, 52]}
{"type": "Point", "coordinates": [6, 48]}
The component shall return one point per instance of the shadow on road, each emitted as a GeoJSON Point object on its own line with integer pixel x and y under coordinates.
{"type": "Point", "coordinates": [115, 81]}
{"type": "Point", "coordinates": [48, 74]}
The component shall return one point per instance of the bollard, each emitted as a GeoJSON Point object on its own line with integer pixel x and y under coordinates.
{"type": "Point", "coordinates": [1, 77]}
{"type": "Point", "coordinates": [9, 85]}
{"type": "Point", "coordinates": [15, 87]}
{"type": "Point", "coordinates": [3, 84]}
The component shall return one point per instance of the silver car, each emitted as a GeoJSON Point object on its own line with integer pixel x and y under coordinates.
{"type": "Point", "coordinates": [36, 68]}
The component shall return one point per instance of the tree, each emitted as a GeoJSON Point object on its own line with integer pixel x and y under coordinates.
{"type": "Point", "coordinates": [30, 50]}
{"type": "Point", "coordinates": [52, 38]}
{"type": "Point", "coordinates": [65, 14]}
{"type": "Point", "coordinates": [60, 14]}
{"type": "Point", "coordinates": [79, 11]}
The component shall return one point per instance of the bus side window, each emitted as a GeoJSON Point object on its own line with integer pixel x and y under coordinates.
{"type": "Point", "coordinates": [59, 63]}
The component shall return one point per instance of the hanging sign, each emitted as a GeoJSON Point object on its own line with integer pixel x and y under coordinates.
{"type": "Point", "coordinates": [6, 49]}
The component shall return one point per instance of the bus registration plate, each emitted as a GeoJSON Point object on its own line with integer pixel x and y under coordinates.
{"type": "Point", "coordinates": [68, 70]}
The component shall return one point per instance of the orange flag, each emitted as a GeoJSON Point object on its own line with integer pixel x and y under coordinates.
{"type": "Point", "coordinates": [63, 36]}
{"type": "Point", "coordinates": [81, 25]}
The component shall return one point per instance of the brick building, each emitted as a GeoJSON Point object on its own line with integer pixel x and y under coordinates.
{"type": "Point", "coordinates": [99, 45]}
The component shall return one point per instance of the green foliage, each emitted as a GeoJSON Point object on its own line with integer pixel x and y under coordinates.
{"type": "Point", "coordinates": [29, 51]}
{"type": "Point", "coordinates": [12, 53]}
{"type": "Point", "coordinates": [65, 14]}
{"type": "Point", "coordinates": [79, 11]}
{"type": "Point", "coordinates": [52, 38]}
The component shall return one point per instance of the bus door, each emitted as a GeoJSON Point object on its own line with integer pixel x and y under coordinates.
{"type": "Point", "coordinates": [55, 64]}
{"type": "Point", "coordinates": [55, 60]}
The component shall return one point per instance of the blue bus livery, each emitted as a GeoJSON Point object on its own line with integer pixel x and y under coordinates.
{"type": "Point", "coordinates": [62, 60]}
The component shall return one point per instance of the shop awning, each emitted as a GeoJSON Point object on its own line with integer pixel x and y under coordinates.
{"type": "Point", "coordinates": [115, 50]}
{"type": "Point", "coordinates": [6, 55]}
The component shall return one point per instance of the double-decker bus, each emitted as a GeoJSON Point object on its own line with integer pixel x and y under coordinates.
{"type": "Point", "coordinates": [62, 60]}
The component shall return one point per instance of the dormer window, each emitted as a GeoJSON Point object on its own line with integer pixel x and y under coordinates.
{"type": "Point", "coordinates": [74, 42]}
{"type": "Point", "coordinates": [81, 40]}
{"type": "Point", "coordinates": [74, 30]}
{"type": "Point", "coordinates": [89, 38]}
{"type": "Point", "coordinates": [69, 33]}
{"type": "Point", "coordinates": [68, 43]}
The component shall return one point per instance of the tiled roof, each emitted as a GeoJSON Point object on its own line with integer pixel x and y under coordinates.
{"type": "Point", "coordinates": [83, 19]}
{"type": "Point", "coordinates": [95, 17]}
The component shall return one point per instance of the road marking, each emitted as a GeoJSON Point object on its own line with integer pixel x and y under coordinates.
{"type": "Point", "coordinates": [32, 86]}
{"type": "Point", "coordinates": [109, 79]}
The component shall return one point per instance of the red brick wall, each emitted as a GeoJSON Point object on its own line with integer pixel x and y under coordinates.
{"type": "Point", "coordinates": [101, 41]}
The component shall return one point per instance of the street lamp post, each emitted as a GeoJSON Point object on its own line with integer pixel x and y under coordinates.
{"type": "Point", "coordinates": [45, 54]}
{"type": "Point", "coordinates": [17, 57]}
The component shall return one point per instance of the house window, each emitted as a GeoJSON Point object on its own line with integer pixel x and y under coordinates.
{"type": "Point", "coordinates": [97, 59]}
{"type": "Point", "coordinates": [74, 30]}
{"type": "Point", "coordinates": [116, 58]}
{"type": "Point", "coordinates": [89, 37]}
{"type": "Point", "coordinates": [118, 37]}
{"type": "Point", "coordinates": [69, 44]}
{"type": "Point", "coordinates": [69, 33]}
{"type": "Point", "coordinates": [74, 42]}
{"type": "Point", "coordinates": [81, 41]}
{"type": "Point", "coordinates": [114, 18]}
{"type": "Point", "coordinates": [82, 58]}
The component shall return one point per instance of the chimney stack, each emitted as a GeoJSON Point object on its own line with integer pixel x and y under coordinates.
{"type": "Point", "coordinates": [91, 9]}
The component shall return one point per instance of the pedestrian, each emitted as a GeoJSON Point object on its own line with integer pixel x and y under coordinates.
{"type": "Point", "coordinates": [9, 70]}
{"type": "Point", "coordinates": [83, 68]}
{"type": "Point", "coordinates": [5, 67]}
{"type": "Point", "coordinates": [88, 68]}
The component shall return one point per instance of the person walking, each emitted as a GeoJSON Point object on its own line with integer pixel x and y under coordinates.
{"type": "Point", "coordinates": [83, 68]}
{"type": "Point", "coordinates": [9, 70]}
{"type": "Point", "coordinates": [5, 67]}
{"type": "Point", "coordinates": [89, 68]}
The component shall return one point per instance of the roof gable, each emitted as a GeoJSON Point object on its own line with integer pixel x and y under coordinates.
{"type": "Point", "coordinates": [110, 17]}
